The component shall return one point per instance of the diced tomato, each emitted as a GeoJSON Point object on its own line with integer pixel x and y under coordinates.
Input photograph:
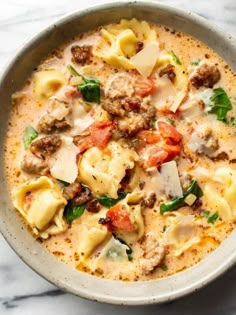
{"type": "Point", "coordinates": [148, 136]}
{"type": "Point", "coordinates": [168, 131]}
{"type": "Point", "coordinates": [171, 149]}
{"type": "Point", "coordinates": [144, 87]}
{"type": "Point", "coordinates": [157, 156]}
{"type": "Point", "coordinates": [84, 144]}
{"type": "Point", "coordinates": [101, 133]}
{"type": "Point", "coordinates": [120, 218]}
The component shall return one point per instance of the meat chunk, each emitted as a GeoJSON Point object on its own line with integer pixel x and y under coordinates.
{"type": "Point", "coordinates": [149, 201]}
{"type": "Point", "coordinates": [84, 196]}
{"type": "Point", "coordinates": [34, 165]}
{"type": "Point", "coordinates": [45, 146]}
{"type": "Point", "coordinates": [154, 253]}
{"type": "Point", "coordinates": [205, 74]}
{"type": "Point", "coordinates": [81, 54]}
{"type": "Point", "coordinates": [131, 124]}
{"type": "Point", "coordinates": [48, 124]}
{"type": "Point", "coordinates": [130, 103]}
{"type": "Point", "coordinates": [93, 206]}
{"type": "Point", "coordinates": [71, 191]}
{"type": "Point", "coordinates": [139, 46]}
{"type": "Point", "coordinates": [169, 72]}
{"type": "Point", "coordinates": [113, 107]}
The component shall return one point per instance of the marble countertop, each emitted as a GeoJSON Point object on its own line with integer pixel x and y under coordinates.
{"type": "Point", "coordinates": [22, 291]}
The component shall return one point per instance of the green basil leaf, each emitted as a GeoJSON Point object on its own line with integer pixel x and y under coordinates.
{"type": "Point", "coordinates": [73, 212]}
{"type": "Point", "coordinates": [29, 135]}
{"type": "Point", "coordinates": [179, 202]}
{"type": "Point", "coordinates": [220, 104]}
{"type": "Point", "coordinates": [175, 58]}
{"type": "Point", "coordinates": [110, 202]}
{"type": "Point", "coordinates": [90, 90]}
{"type": "Point", "coordinates": [164, 267]}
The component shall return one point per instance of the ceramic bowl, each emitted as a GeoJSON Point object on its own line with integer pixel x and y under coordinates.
{"type": "Point", "coordinates": [63, 276]}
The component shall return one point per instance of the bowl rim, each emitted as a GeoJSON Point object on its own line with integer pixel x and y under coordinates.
{"type": "Point", "coordinates": [109, 295]}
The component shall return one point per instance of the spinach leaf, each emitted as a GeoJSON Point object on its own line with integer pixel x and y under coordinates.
{"type": "Point", "coordinates": [129, 250]}
{"type": "Point", "coordinates": [210, 218]}
{"type": "Point", "coordinates": [220, 104]}
{"type": "Point", "coordinates": [164, 267]}
{"type": "Point", "coordinates": [179, 202]}
{"type": "Point", "coordinates": [90, 88]}
{"type": "Point", "coordinates": [110, 202]}
{"type": "Point", "coordinates": [73, 212]}
{"type": "Point", "coordinates": [29, 135]}
{"type": "Point", "coordinates": [175, 58]}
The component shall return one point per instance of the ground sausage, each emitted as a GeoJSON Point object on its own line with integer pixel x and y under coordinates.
{"type": "Point", "coordinates": [154, 253]}
{"type": "Point", "coordinates": [93, 206]}
{"type": "Point", "coordinates": [45, 146]}
{"type": "Point", "coordinates": [205, 74]}
{"type": "Point", "coordinates": [81, 54]}
{"type": "Point", "coordinates": [48, 124]}
{"type": "Point", "coordinates": [169, 72]}
{"type": "Point", "coordinates": [71, 191]}
{"type": "Point", "coordinates": [84, 196]}
{"type": "Point", "coordinates": [34, 165]}
{"type": "Point", "coordinates": [149, 201]}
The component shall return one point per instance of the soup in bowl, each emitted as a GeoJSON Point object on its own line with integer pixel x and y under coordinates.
{"type": "Point", "coordinates": [119, 155]}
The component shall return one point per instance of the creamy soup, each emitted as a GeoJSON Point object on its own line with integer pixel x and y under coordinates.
{"type": "Point", "coordinates": [120, 151]}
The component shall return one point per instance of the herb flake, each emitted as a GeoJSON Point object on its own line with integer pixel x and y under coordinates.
{"type": "Point", "coordinates": [129, 250]}
{"type": "Point", "coordinates": [175, 58]}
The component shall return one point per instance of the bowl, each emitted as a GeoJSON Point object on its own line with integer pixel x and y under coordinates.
{"type": "Point", "coordinates": [17, 235]}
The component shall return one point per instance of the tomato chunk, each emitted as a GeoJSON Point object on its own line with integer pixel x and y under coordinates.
{"type": "Point", "coordinates": [120, 218]}
{"type": "Point", "coordinates": [144, 87]}
{"type": "Point", "coordinates": [150, 137]}
{"type": "Point", "coordinates": [84, 144]}
{"type": "Point", "coordinates": [157, 156]}
{"type": "Point", "coordinates": [168, 131]}
{"type": "Point", "coordinates": [101, 133]}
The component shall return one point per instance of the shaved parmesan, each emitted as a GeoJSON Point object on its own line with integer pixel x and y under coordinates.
{"type": "Point", "coordinates": [170, 178]}
{"type": "Point", "coordinates": [81, 120]}
{"type": "Point", "coordinates": [65, 166]}
{"type": "Point", "coordinates": [145, 60]}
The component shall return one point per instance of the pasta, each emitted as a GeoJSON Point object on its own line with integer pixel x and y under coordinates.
{"type": "Point", "coordinates": [120, 154]}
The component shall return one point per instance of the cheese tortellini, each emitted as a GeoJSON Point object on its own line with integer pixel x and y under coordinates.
{"type": "Point", "coordinates": [119, 42]}
{"type": "Point", "coordinates": [220, 194]}
{"type": "Point", "coordinates": [47, 83]}
{"type": "Point", "coordinates": [182, 232]}
{"type": "Point", "coordinates": [102, 170]}
{"type": "Point", "coordinates": [41, 203]}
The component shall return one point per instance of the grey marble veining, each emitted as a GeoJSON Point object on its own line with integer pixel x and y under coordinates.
{"type": "Point", "coordinates": [22, 291]}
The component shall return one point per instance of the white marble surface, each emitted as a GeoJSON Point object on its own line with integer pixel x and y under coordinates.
{"type": "Point", "coordinates": [22, 291]}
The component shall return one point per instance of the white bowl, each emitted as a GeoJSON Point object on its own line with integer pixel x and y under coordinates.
{"type": "Point", "coordinates": [63, 276]}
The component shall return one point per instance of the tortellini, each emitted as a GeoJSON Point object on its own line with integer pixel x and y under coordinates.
{"type": "Point", "coordinates": [41, 203]}
{"type": "Point", "coordinates": [102, 170]}
{"type": "Point", "coordinates": [47, 83]}
{"type": "Point", "coordinates": [220, 194]}
{"type": "Point", "coordinates": [119, 42]}
{"type": "Point", "coordinates": [182, 232]}
{"type": "Point", "coordinates": [90, 235]}
{"type": "Point", "coordinates": [132, 203]}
